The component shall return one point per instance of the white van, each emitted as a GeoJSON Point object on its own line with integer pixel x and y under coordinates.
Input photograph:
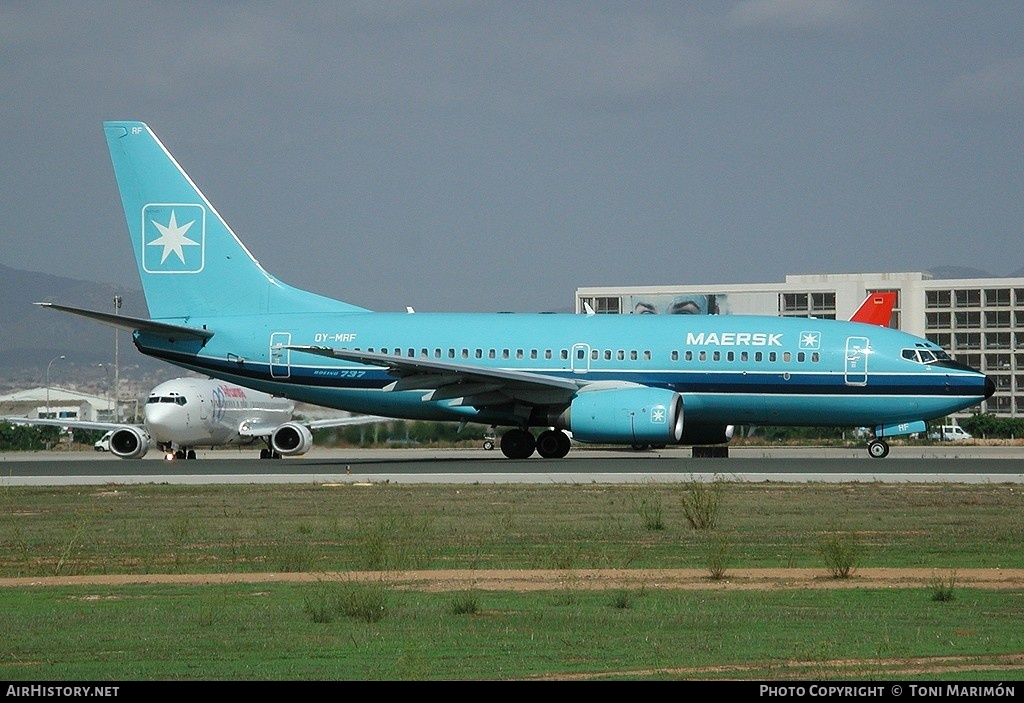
{"type": "Point", "coordinates": [103, 443]}
{"type": "Point", "coordinates": [949, 433]}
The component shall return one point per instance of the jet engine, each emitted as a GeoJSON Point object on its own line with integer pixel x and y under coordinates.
{"type": "Point", "coordinates": [625, 415]}
{"type": "Point", "coordinates": [707, 434]}
{"type": "Point", "coordinates": [130, 443]}
{"type": "Point", "coordinates": [291, 439]}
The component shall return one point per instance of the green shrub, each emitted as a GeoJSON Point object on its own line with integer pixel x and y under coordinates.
{"type": "Point", "coordinates": [942, 587]}
{"type": "Point", "coordinates": [841, 551]}
{"type": "Point", "coordinates": [701, 503]}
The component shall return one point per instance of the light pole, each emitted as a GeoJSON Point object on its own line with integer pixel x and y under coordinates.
{"type": "Point", "coordinates": [48, 383]}
{"type": "Point", "coordinates": [106, 369]}
{"type": "Point", "coordinates": [117, 363]}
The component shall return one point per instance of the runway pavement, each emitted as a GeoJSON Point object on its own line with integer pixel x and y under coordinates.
{"type": "Point", "coordinates": [921, 464]}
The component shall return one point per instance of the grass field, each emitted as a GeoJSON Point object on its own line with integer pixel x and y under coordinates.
{"type": "Point", "coordinates": [331, 627]}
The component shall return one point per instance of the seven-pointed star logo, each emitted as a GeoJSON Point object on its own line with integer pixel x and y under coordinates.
{"type": "Point", "coordinates": [172, 238]}
{"type": "Point", "coordinates": [809, 340]}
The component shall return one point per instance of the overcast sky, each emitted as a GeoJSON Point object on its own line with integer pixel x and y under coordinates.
{"type": "Point", "coordinates": [457, 155]}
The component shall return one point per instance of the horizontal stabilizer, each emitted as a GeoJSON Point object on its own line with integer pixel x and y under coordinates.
{"type": "Point", "coordinates": [134, 324]}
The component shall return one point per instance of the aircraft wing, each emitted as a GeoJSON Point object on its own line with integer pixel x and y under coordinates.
{"type": "Point", "coordinates": [469, 385]}
{"type": "Point", "coordinates": [249, 429]}
{"type": "Point", "coordinates": [75, 424]}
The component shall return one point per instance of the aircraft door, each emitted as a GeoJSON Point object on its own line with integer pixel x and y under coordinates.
{"type": "Point", "coordinates": [202, 406]}
{"type": "Point", "coordinates": [857, 353]}
{"type": "Point", "coordinates": [579, 358]}
{"type": "Point", "coordinates": [280, 358]}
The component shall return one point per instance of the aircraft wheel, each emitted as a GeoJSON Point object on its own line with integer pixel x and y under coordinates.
{"type": "Point", "coordinates": [180, 454]}
{"type": "Point", "coordinates": [488, 444]}
{"type": "Point", "coordinates": [264, 454]}
{"type": "Point", "coordinates": [641, 447]}
{"type": "Point", "coordinates": [878, 449]}
{"type": "Point", "coordinates": [191, 454]}
{"type": "Point", "coordinates": [518, 444]}
{"type": "Point", "coordinates": [553, 444]}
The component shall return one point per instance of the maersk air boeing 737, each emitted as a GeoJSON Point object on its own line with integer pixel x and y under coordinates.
{"type": "Point", "coordinates": [609, 379]}
{"type": "Point", "coordinates": [185, 413]}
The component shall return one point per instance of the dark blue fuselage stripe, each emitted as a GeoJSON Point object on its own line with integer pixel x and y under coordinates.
{"type": "Point", "coordinates": [683, 382]}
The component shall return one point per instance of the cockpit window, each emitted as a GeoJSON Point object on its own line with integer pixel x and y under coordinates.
{"type": "Point", "coordinates": [175, 399]}
{"type": "Point", "coordinates": [925, 356]}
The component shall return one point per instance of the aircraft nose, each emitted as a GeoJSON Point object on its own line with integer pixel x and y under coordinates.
{"type": "Point", "coordinates": [160, 419]}
{"type": "Point", "coordinates": [990, 387]}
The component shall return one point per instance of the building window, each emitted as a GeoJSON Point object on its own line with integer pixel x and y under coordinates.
{"type": "Point", "coordinates": [997, 340]}
{"type": "Point", "coordinates": [967, 320]}
{"type": "Point", "coordinates": [604, 305]}
{"type": "Point", "coordinates": [937, 299]}
{"type": "Point", "coordinates": [999, 404]}
{"type": "Point", "coordinates": [970, 298]}
{"type": "Point", "coordinates": [794, 304]}
{"type": "Point", "coordinates": [967, 340]}
{"type": "Point", "coordinates": [997, 297]}
{"type": "Point", "coordinates": [938, 320]}
{"type": "Point", "coordinates": [972, 360]}
{"type": "Point", "coordinates": [997, 318]}
{"type": "Point", "coordinates": [823, 305]}
{"type": "Point", "coordinates": [997, 362]}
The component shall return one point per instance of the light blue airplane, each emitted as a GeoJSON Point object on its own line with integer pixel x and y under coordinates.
{"type": "Point", "coordinates": [637, 380]}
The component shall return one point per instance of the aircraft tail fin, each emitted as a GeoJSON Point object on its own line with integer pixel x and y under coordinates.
{"type": "Point", "coordinates": [190, 261]}
{"type": "Point", "coordinates": [876, 309]}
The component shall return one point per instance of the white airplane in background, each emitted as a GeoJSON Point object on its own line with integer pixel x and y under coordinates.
{"type": "Point", "coordinates": [185, 413]}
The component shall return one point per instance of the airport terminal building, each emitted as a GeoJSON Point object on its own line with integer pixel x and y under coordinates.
{"type": "Point", "coordinates": [979, 321]}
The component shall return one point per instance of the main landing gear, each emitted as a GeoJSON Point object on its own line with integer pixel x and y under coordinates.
{"type": "Point", "coordinates": [521, 444]}
{"type": "Point", "coordinates": [878, 449]}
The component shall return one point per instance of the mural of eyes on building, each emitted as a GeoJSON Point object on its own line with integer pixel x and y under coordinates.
{"type": "Point", "coordinates": [689, 304]}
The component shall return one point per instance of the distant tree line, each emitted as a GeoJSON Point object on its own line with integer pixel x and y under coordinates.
{"type": "Point", "coordinates": [989, 426]}
{"type": "Point", "coordinates": [26, 438]}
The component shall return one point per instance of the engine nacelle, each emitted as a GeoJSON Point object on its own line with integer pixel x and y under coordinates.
{"type": "Point", "coordinates": [130, 443]}
{"type": "Point", "coordinates": [634, 415]}
{"type": "Point", "coordinates": [291, 439]}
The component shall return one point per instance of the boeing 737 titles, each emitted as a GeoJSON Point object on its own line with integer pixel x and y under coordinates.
{"type": "Point", "coordinates": [610, 379]}
{"type": "Point", "coordinates": [185, 413]}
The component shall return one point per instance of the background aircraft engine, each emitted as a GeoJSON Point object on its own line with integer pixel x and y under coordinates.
{"type": "Point", "coordinates": [291, 439]}
{"type": "Point", "coordinates": [707, 434]}
{"type": "Point", "coordinates": [638, 415]}
{"type": "Point", "coordinates": [130, 443]}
